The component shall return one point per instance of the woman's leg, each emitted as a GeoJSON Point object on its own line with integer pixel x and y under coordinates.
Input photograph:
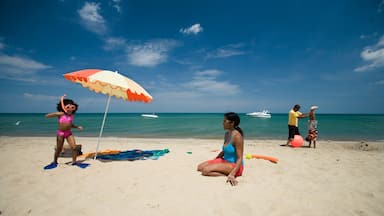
{"type": "Point", "coordinates": [217, 169]}
{"type": "Point", "coordinates": [201, 166]}
{"type": "Point", "coordinates": [59, 146]}
{"type": "Point", "coordinates": [72, 143]}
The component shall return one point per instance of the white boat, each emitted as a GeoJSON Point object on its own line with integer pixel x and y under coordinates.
{"type": "Point", "coordinates": [149, 115]}
{"type": "Point", "coordinates": [262, 114]}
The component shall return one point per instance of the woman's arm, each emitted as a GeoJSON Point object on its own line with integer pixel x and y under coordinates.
{"type": "Point", "coordinates": [220, 155]}
{"type": "Point", "coordinates": [54, 114]}
{"type": "Point", "coordinates": [226, 137]}
{"type": "Point", "coordinates": [238, 142]}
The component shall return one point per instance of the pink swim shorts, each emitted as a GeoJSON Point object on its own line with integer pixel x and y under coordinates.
{"type": "Point", "coordinates": [64, 134]}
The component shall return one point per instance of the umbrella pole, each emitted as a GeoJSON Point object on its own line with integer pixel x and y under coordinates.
{"type": "Point", "coordinates": [102, 126]}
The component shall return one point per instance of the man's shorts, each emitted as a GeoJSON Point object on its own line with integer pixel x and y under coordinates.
{"type": "Point", "coordinates": [292, 131]}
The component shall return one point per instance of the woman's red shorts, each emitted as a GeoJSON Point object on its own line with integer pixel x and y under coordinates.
{"type": "Point", "coordinates": [221, 160]}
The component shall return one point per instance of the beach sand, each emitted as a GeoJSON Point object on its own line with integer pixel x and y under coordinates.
{"type": "Point", "coordinates": [336, 178]}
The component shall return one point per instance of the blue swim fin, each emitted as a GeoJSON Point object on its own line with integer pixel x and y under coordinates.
{"type": "Point", "coordinates": [51, 166]}
{"type": "Point", "coordinates": [82, 165]}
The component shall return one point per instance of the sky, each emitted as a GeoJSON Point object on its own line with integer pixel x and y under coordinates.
{"type": "Point", "coordinates": [196, 56]}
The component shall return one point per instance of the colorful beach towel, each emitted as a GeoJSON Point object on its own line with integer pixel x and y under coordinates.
{"type": "Point", "coordinates": [132, 155]}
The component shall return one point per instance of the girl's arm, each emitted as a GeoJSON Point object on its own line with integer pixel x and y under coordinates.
{"type": "Point", "coordinates": [54, 114]}
{"type": "Point", "coordinates": [78, 127]}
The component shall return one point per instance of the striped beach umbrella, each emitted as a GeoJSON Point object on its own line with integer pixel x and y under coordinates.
{"type": "Point", "coordinates": [109, 83]}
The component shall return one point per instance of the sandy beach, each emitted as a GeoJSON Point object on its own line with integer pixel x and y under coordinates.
{"type": "Point", "coordinates": [336, 178]}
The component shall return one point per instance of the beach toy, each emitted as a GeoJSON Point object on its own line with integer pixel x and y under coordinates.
{"type": "Point", "coordinates": [256, 156]}
{"type": "Point", "coordinates": [297, 141]}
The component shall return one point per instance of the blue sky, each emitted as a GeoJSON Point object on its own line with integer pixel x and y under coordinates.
{"type": "Point", "coordinates": [196, 56]}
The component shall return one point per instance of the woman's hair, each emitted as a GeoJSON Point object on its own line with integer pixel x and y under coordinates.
{"type": "Point", "coordinates": [233, 117]}
{"type": "Point", "coordinates": [66, 102]}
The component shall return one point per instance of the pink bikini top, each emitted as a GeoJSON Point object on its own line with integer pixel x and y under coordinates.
{"type": "Point", "coordinates": [66, 119]}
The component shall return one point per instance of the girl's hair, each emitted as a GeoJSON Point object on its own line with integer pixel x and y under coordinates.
{"type": "Point", "coordinates": [66, 102]}
{"type": "Point", "coordinates": [233, 117]}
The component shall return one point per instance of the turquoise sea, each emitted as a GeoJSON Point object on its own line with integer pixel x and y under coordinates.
{"type": "Point", "coordinates": [369, 127]}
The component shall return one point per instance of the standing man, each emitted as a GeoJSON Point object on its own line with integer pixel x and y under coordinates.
{"type": "Point", "coordinates": [293, 122]}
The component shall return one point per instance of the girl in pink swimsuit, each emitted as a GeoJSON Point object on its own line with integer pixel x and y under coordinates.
{"type": "Point", "coordinates": [66, 109]}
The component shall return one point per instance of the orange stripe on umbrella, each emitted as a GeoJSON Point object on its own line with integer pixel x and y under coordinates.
{"type": "Point", "coordinates": [80, 76]}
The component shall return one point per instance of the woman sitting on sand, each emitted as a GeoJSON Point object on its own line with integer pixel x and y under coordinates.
{"type": "Point", "coordinates": [229, 162]}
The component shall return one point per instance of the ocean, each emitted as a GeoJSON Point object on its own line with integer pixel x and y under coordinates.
{"type": "Point", "coordinates": [343, 127]}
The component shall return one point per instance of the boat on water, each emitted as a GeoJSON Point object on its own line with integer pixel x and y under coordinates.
{"type": "Point", "coordinates": [150, 115]}
{"type": "Point", "coordinates": [262, 114]}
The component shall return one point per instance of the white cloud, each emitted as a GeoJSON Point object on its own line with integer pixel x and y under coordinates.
{"type": "Point", "coordinates": [380, 82]}
{"type": "Point", "coordinates": [2, 46]}
{"type": "Point", "coordinates": [227, 51]}
{"type": "Point", "coordinates": [19, 68]}
{"type": "Point", "coordinates": [381, 41]}
{"type": "Point", "coordinates": [204, 87]}
{"type": "Point", "coordinates": [203, 84]}
{"type": "Point", "coordinates": [194, 29]}
{"type": "Point", "coordinates": [374, 56]}
{"type": "Point", "coordinates": [208, 74]}
{"type": "Point", "coordinates": [114, 43]}
{"type": "Point", "coordinates": [150, 53]}
{"type": "Point", "coordinates": [22, 63]}
{"type": "Point", "coordinates": [91, 17]}
{"type": "Point", "coordinates": [368, 36]}
{"type": "Point", "coordinates": [206, 82]}
{"type": "Point", "coordinates": [41, 97]}
{"type": "Point", "coordinates": [116, 5]}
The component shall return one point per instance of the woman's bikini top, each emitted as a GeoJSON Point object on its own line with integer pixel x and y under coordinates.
{"type": "Point", "coordinates": [66, 119]}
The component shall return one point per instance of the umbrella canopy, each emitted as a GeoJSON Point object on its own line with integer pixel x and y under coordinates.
{"type": "Point", "coordinates": [109, 83]}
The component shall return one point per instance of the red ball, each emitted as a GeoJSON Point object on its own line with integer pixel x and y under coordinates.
{"type": "Point", "coordinates": [297, 141]}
